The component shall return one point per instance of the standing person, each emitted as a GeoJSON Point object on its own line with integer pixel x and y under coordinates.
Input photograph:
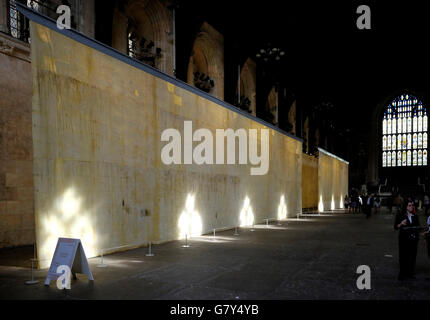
{"type": "Point", "coordinates": [354, 201]}
{"type": "Point", "coordinates": [416, 202]}
{"type": "Point", "coordinates": [398, 202]}
{"type": "Point", "coordinates": [369, 206]}
{"type": "Point", "coordinates": [360, 203]}
{"type": "Point", "coordinates": [410, 199]}
{"type": "Point", "coordinates": [427, 236]}
{"type": "Point", "coordinates": [426, 203]}
{"type": "Point", "coordinates": [390, 201]}
{"type": "Point", "coordinates": [408, 241]}
{"type": "Point", "coordinates": [377, 204]}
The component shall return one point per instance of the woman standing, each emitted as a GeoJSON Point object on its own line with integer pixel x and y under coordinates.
{"type": "Point", "coordinates": [408, 226]}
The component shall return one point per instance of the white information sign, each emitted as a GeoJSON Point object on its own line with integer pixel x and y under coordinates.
{"type": "Point", "coordinates": [69, 252]}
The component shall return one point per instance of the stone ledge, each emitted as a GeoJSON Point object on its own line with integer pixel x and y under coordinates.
{"type": "Point", "coordinates": [14, 47]}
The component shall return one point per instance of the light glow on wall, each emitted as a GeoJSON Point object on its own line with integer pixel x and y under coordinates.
{"type": "Point", "coordinates": [321, 205]}
{"type": "Point", "coordinates": [68, 219]}
{"type": "Point", "coordinates": [282, 209]}
{"type": "Point", "coordinates": [69, 204]}
{"type": "Point", "coordinates": [246, 215]}
{"type": "Point", "coordinates": [341, 202]}
{"type": "Point", "coordinates": [190, 222]}
{"type": "Point", "coordinates": [332, 206]}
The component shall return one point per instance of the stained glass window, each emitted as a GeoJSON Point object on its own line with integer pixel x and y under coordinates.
{"type": "Point", "coordinates": [405, 133]}
{"type": "Point", "coordinates": [18, 25]}
{"type": "Point", "coordinates": [15, 20]}
{"type": "Point", "coordinates": [132, 44]}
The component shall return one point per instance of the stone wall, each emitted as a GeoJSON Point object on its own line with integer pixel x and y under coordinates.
{"type": "Point", "coordinates": [98, 174]}
{"type": "Point", "coordinates": [309, 182]}
{"type": "Point", "coordinates": [332, 181]}
{"type": "Point", "coordinates": [17, 223]}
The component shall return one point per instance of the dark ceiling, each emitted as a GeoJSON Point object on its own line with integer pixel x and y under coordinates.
{"type": "Point", "coordinates": [329, 60]}
{"type": "Point", "coordinates": [327, 55]}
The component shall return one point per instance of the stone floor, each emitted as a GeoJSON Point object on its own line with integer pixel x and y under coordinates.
{"type": "Point", "coordinates": [314, 257]}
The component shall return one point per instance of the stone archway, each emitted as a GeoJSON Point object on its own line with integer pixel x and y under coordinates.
{"type": "Point", "coordinates": [292, 117]}
{"type": "Point", "coordinates": [248, 80]}
{"type": "Point", "coordinates": [151, 20]}
{"type": "Point", "coordinates": [272, 106]}
{"type": "Point", "coordinates": [208, 54]}
{"type": "Point", "coordinates": [198, 63]}
{"type": "Point", "coordinates": [306, 130]}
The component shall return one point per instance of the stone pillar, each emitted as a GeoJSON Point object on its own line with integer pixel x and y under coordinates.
{"type": "Point", "coordinates": [119, 31]}
{"type": "Point", "coordinates": [86, 19]}
{"type": "Point", "coordinates": [4, 8]}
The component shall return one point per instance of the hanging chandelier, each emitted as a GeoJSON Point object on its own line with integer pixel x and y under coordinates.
{"type": "Point", "coordinates": [270, 53]}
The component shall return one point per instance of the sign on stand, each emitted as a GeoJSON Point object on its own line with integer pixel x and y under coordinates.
{"type": "Point", "coordinates": [69, 252]}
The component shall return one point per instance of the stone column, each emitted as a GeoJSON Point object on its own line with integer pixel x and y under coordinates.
{"type": "Point", "coordinates": [119, 31]}
{"type": "Point", "coordinates": [86, 19]}
{"type": "Point", "coordinates": [4, 8]}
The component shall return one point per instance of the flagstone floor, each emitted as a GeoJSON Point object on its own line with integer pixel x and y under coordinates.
{"type": "Point", "coordinates": [314, 257]}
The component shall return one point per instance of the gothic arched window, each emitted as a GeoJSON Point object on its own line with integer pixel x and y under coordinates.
{"type": "Point", "coordinates": [405, 133]}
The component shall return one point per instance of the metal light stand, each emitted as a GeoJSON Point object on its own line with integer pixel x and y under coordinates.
{"type": "Point", "coordinates": [235, 231]}
{"type": "Point", "coordinates": [186, 245]}
{"type": "Point", "coordinates": [150, 254]}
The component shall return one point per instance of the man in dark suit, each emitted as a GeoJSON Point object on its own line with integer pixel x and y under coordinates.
{"type": "Point", "coordinates": [408, 225]}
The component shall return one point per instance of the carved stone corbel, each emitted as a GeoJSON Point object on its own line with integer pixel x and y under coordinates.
{"type": "Point", "coordinates": [6, 49]}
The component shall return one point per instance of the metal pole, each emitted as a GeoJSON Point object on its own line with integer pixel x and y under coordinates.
{"type": "Point", "coordinates": [235, 232]}
{"type": "Point", "coordinates": [150, 254]}
{"type": "Point", "coordinates": [102, 265]}
{"type": "Point", "coordinates": [32, 281]}
{"type": "Point", "coordinates": [186, 245]}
